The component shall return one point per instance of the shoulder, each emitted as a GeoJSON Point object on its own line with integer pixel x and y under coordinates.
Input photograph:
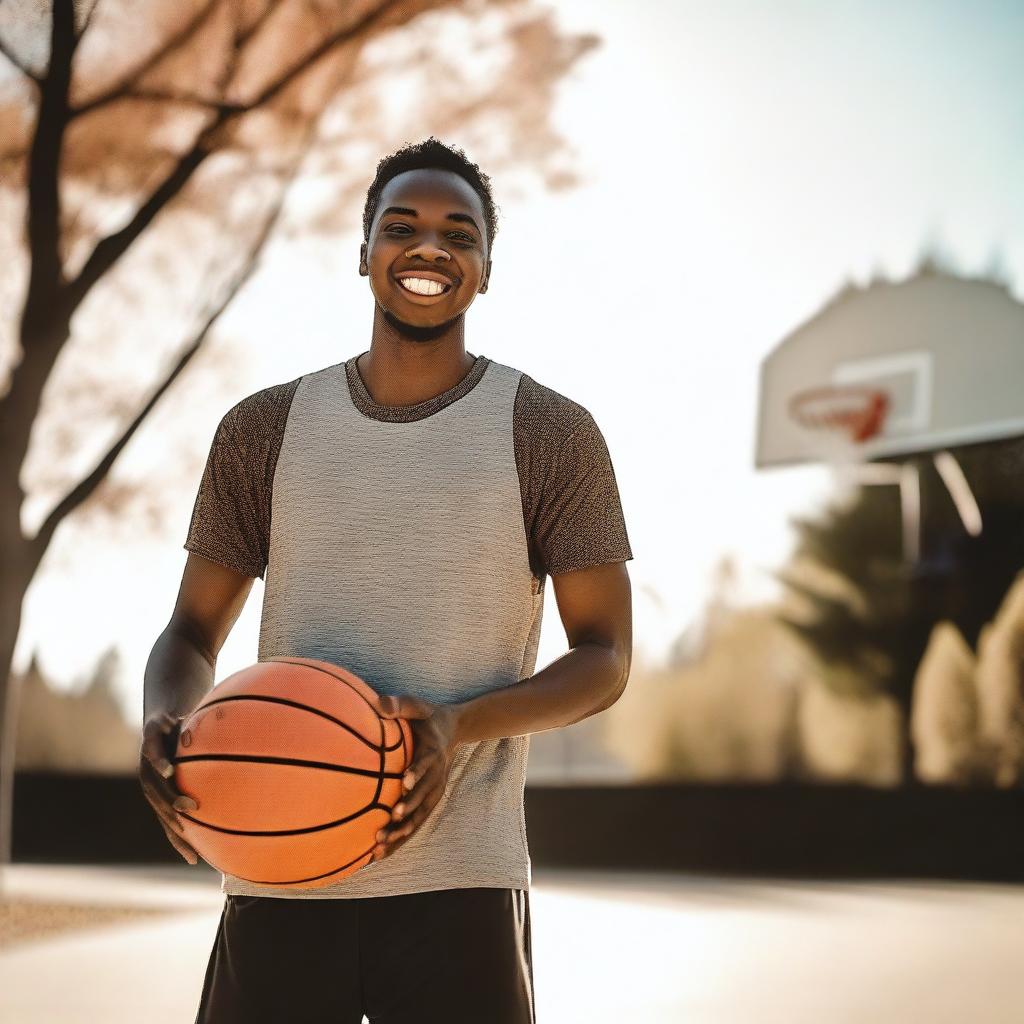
{"type": "Point", "coordinates": [261, 416]}
{"type": "Point", "coordinates": [547, 415]}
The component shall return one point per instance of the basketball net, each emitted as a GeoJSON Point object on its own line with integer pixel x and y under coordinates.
{"type": "Point", "coordinates": [855, 412]}
{"type": "Point", "coordinates": [847, 416]}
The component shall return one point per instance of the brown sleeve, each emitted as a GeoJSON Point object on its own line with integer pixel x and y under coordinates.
{"type": "Point", "coordinates": [231, 518]}
{"type": "Point", "coordinates": [571, 505]}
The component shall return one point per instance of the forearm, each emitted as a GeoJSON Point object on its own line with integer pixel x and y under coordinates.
{"type": "Point", "coordinates": [178, 674]}
{"type": "Point", "coordinates": [582, 682]}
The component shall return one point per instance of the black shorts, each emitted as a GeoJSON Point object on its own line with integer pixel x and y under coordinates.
{"type": "Point", "coordinates": [457, 956]}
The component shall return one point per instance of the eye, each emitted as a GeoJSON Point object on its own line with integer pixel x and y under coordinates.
{"type": "Point", "coordinates": [392, 228]}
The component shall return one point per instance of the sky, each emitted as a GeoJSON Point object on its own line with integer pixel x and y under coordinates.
{"type": "Point", "coordinates": [741, 162]}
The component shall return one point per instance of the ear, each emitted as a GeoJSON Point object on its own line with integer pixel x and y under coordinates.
{"type": "Point", "coordinates": [364, 270]}
{"type": "Point", "coordinates": [486, 278]}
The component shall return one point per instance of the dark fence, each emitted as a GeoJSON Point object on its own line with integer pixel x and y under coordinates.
{"type": "Point", "coordinates": [760, 829]}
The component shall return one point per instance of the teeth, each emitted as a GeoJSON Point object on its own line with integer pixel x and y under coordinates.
{"type": "Point", "coordinates": [421, 286]}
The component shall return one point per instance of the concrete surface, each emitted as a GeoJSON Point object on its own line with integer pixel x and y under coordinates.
{"type": "Point", "coordinates": [642, 948]}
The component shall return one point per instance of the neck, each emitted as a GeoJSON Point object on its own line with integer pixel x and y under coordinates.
{"type": "Point", "coordinates": [407, 365]}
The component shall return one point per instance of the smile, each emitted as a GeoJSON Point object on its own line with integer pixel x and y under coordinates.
{"type": "Point", "coordinates": [422, 287]}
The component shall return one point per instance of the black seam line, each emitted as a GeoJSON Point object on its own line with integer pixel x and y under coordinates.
{"type": "Point", "coordinates": [305, 663]}
{"type": "Point", "coordinates": [326, 874]}
{"type": "Point", "coordinates": [383, 758]}
{"type": "Point", "coordinates": [406, 752]}
{"type": "Point", "coordinates": [301, 707]}
{"type": "Point", "coordinates": [298, 761]}
{"type": "Point", "coordinates": [382, 749]}
{"type": "Point", "coordinates": [286, 831]}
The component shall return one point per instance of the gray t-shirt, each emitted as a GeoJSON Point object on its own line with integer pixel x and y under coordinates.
{"type": "Point", "coordinates": [410, 544]}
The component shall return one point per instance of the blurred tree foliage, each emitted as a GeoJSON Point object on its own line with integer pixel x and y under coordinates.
{"type": "Point", "coordinates": [77, 729]}
{"type": "Point", "coordinates": [875, 626]}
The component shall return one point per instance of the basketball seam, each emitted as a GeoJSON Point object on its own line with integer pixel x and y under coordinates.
{"type": "Point", "coordinates": [382, 750]}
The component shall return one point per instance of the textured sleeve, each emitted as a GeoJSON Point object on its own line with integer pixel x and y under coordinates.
{"type": "Point", "coordinates": [225, 525]}
{"type": "Point", "coordinates": [231, 517]}
{"type": "Point", "coordinates": [571, 505]}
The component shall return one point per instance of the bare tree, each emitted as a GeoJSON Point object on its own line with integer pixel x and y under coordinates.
{"type": "Point", "coordinates": [146, 151]}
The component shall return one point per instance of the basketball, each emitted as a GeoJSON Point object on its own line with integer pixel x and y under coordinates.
{"type": "Point", "coordinates": [294, 771]}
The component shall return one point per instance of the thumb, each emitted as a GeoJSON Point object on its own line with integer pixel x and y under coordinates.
{"type": "Point", "coordinates": [405, 707]}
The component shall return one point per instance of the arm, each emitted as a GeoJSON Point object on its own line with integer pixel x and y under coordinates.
{"type": "Point", "coordinates": [181, 666]}
{"type": "Point", "coordinates": [596, 610]}
{"type": "Point", "coordinates": [179, 673]}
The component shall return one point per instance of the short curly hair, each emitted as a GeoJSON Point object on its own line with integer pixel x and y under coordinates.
{"type": "Point", "coordinates": [431, 153]}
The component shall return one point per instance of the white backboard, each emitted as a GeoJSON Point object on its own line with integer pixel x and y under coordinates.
{"type": "Point", "coordinates": [947, 351]}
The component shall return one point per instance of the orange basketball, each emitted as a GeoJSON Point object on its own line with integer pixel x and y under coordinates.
{"type": "Point", "coordinates": [294, 772]}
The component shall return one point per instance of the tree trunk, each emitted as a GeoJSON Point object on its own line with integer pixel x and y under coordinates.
{"type": "Point", "coordinates": [19, 556]}
{"type": "Point", "coordinates": [13, 585]}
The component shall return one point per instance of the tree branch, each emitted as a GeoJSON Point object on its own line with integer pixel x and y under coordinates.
{"type": "Point", "coordinates": [177, 97]}
{"type": "Point", "coordinates": [173, 43]}
{"type": "Point", "coordinates": [43, 172]}
{"type": "Point", "coordinates": [110, 249]}
{"type": "Point", "coordinates": [315, 55]}
{"type": "Point", "coordinates": [242, 37]}
{"type": "Point", "coordinates": [124, 89]}
{"type": "Point", "coordinates": [82, 491]}
{"type": "Point", "coordinates": [162, 96]}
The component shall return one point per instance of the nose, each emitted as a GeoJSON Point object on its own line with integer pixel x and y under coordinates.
{"type": "Point", "coordinates": [428, 251]}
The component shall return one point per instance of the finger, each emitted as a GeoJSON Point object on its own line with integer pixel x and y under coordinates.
{"type": "Point", "coordinates": [152, 778]}
{"type": "Point", "coordinates": [386, 842]}
{"type": "Point", "coordinates": [182, 847]}
{"type": "Point", "coordinates": [393, 843]}
{"type": "Point", "coordinates": [166, 820]}
{"type": "Point", "coordinates": [406, 827]}
{"type": "Point", "coordinates": [405, 707]}
{"type": "Point", "coordinates": [415, 772]}
{"type": "Point", "coordinates": [169, 821]}
{"type": "Point", "coordinates": [426, 763]}
{"type": "Point", "coordinates": [382, 850]}
{"type": "Point", "coordinates": [415, 796]}
{"type": "Point", "coordinates": [154, 754]}
{"type": "Point", "coordinates": [165, 791]}
{"type": "Point", "coordinates": [180, 805]}
{"type": "Point", "coordinates": [167, 817]}
{"type": "Point", "coordinates": [154, 742]}
{"type": "Point", "coordinates": [160, 766]}
{"type": "Point", "coordinates": [170, 815]}
{"type": "Point", "coordinates": [413, 819]}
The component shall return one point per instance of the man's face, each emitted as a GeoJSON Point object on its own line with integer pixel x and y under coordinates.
{"type": "Point", "coordinates": [430, 221]}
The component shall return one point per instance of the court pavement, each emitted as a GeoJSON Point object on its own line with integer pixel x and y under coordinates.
{"type": "Point", "coordinates": [643, 948]}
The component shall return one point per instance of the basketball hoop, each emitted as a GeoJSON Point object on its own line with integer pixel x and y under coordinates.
{"type": "Point", "coordinates": [859, 412]}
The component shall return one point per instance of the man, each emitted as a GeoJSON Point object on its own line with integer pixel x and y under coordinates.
{"type": "Point", "coordinates": [420, 496]}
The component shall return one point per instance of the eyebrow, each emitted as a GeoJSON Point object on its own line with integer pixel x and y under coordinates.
{"type": "Point", "coordinates": [409, 212]}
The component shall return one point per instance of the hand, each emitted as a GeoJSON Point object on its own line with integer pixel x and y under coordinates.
{"type": "Point", "coordinates": [159, 741]}
{"type": "Point", "coordinates": [433, 727]}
